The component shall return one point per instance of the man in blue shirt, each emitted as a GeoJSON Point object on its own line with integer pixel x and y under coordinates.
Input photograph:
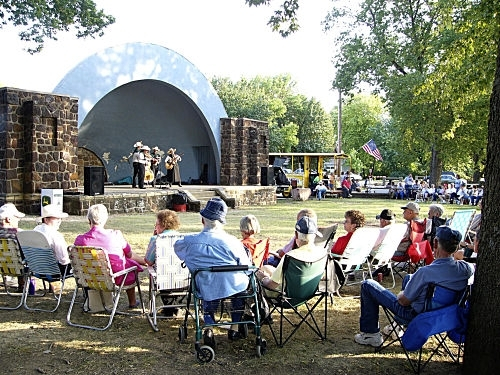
{"type": "Point", "coordinates": [214, 247]}
{"type": "Point", "coordinates": [444, 271]}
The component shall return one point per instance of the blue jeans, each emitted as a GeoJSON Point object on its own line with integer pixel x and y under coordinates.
{"type": "Point", "coordinates": [211, 307]}
{"type": "Point", "coordinates": [374, 295]}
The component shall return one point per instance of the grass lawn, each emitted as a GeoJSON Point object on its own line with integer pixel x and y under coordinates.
{"type": "Point", "coordinates": [43, 343]}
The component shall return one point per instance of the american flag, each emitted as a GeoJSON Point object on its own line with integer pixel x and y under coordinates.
{"type": "Point", "coordinates": [371, 148]}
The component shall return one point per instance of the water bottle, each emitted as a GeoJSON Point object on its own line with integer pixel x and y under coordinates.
{"type": "Point", "coordinates": [32, 287]}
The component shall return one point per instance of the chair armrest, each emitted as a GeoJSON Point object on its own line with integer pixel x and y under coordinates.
{"type": "Point", "coordinates": [125, 271]}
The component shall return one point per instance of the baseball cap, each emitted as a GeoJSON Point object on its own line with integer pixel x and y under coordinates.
{"type": "Point", "coordinates": [412, 206]}
{"type": "Point", "coordinates": [447, 234]}
{"type": "Point", "coordinates": [51, 210]}
{"type": "Point", "coordinates": [386, 214]}
{"type": "Point", "coordinates": [216, 209]}
{"type": "Point", "coordinates": [306, 225]}
{"type": "Point", "coordinates": [9, 210]}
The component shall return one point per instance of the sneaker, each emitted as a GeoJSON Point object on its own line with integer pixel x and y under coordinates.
{"type": "Point", "coordinates": [392, 330]}
{"type": "Point", "coordinates": [373, 339]}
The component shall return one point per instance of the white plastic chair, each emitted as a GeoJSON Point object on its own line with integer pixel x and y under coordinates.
{"type": "Point", "coordinates": [356, 253]}
{"type": "Point", "coordinates": [386, 249]}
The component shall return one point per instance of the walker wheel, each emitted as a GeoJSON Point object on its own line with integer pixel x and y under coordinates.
{"type": "Point", "coordinates": [205, 354]}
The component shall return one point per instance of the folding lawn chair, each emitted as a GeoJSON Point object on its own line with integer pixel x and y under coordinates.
{"type": "Point", "coordinates": [461, 221]}
{"type": "Point", "coordinates": [328, 235]}
{"type": "Point", "coordinates": [299, 288]}
{"type": "Point", "coordinates": [385, 251]}
{"type": "Point", "coordinates": [205, 352]}
{"type": "Point", "coordinates": [261, 252]}
{"type": "Point", "coordinates": [92, 272]}
{"type": "Point", "coordinates": [419, 251]}
{"type": "Point", "coordinates": [168, 279]}
{"type": "Point", "coordinates": [442, 313]}
{"type": "Point", "coordinates": [356, 253]}
{"type": "Point", "coordinates": [12, 264]}
{"type": "Point", "coordinates": [42, 264]}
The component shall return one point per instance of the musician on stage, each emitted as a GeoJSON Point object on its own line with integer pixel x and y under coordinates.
{"type": "Point", "coordinates": [135, 162]}
{"type": "Point", "coordinates": [172, 165]}
{"type": "Point", "coordinates": [155, 163]}
{"type": "Point", "coordinates": [144, 159]}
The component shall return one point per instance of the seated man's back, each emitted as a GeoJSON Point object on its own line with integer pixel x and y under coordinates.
{"type": "Point", "coordinates": [214, 247]}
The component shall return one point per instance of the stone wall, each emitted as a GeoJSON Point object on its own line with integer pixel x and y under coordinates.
{"type": "Point", "coordinates": [244, 150]}
{"type": "Point", "coordinates": [87, 158]}
{"type": "Point", "coordinates": [38, 145]}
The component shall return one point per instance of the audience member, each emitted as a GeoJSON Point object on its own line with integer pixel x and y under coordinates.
{"type": "Point", "coordinates": [306, 230]}
{"type": "Point", "coordinates": [249, 227]}
{"type": "Point", "coordinates": [167, 221]}
{"type": "Point", "coordinates": [444, 271]}
{"type": "Point", "coordinates": [112, 241]}
{"type": "Point", "coordinates": [9, 220]}
{"type": "Point", "coordinates": [214, 247]}
{"type": "Point", "coordinates": [346, 187]}
{"type": "Point", "coordinates": [434, 221]}
{"type": "Point", "coordinates": [320, 190]}
{"type": "Point", "coordinates": [400, 191]}
{"type": "Point", "coordinates": [463, 195]}
{"type": "Point", "coordinates": [353, 220]}
{"type": "Point", "coordinates": [478, 196]}
{"type": "Point", "coordinates": [274, 259]}
{"type": "Point", "coordinates": [408, 185]}
{"type": "Point", "coordinates": [51, 221]}
{"type": "Point", "coordinates": [386, 218]}
{"type": "Point", "coordinates": [410, 214]}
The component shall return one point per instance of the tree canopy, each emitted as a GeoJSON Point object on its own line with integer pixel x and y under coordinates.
{"type": "Point", "coordinates": [41, 20]}
{"type": "Point", "coordinates": [296, 123]}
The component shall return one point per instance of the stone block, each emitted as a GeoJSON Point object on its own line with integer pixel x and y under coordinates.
{"type": "Point", "coordinates": [301, 194]}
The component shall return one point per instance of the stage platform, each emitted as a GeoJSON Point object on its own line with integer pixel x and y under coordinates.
{"type": "Point", "coordinates": [122, 199]}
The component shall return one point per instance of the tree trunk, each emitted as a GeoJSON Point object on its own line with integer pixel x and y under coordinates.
{"type": "Point", "coordinates": [482, 345]}
{"type": "Point", "coordinates": [436, 166]}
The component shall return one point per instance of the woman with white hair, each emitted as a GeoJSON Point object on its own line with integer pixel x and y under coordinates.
{"type": "Point", "coordinates": [434, 220]}
{"type": "Point", "coordinates": [112, 241]}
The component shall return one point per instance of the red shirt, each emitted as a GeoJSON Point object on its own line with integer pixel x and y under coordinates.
{"type": "Point", "coordinates": [341, 243]}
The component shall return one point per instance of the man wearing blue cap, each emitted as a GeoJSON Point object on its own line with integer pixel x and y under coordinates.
{"type": "Point", "coordinates": [444, 271]}
{"type": "Point", "coordinates": [306, 231]}
{"type": "Point", "coordinates": [214, 247]}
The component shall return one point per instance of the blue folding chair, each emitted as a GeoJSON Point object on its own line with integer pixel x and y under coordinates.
{"type": "Point", "coordinates": [443, 313]}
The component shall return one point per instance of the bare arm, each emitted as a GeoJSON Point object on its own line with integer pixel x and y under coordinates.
{"type": "Point", "coordinates": [402, 300]}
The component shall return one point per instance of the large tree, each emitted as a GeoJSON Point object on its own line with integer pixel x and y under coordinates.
{"type": "Point", "coordinates": [39, 20]}
{"type": "Point", "coordinates": [482, 345]}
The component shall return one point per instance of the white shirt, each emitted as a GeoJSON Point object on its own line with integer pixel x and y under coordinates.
{"type": "Point", "coordinates": [56, 241]}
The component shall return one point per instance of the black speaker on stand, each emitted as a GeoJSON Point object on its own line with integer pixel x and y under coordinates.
{"type": "Point", "coordinates": [93, 180]}
{"type": "Point", "coordinates": [266, 176]}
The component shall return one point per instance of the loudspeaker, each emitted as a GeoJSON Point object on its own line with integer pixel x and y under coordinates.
{"type": "Point", "coordinates": [266, 176]}
{"type": "Point", "coordinates": [93, 180]}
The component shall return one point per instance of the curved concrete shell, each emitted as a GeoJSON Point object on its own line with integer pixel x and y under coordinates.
{"type": "Point", "coordinates": [149, 93]}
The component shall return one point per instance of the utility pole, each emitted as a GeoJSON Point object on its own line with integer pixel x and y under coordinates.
{"type": "Point", "coordinates": [339, 134]}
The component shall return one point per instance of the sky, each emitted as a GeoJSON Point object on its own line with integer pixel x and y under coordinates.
{"type": "Point", "coordinates": [224, 38]}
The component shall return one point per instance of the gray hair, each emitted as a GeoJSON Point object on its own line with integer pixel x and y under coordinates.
{"type": "Point", "coordinates": [249, 224]}
{"type": "Point", "coordinates": [438, 208]}
{"type": "Point", "coordinates": [211, 224]}
{"type": "Point", "coordinates": [98, 214]}
{"type": "Point", "coordinates": [307, 238]}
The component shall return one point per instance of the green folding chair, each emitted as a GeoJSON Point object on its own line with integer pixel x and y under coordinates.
{"type": "Point", "coordinates": [299, 288]}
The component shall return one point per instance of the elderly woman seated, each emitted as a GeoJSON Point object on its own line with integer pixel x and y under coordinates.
{"type": "Point", "coordinates": [112, 241]}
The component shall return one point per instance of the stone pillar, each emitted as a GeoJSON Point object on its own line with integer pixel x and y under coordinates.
{"type": "Point", "coordinates": [244, 149]}
{"type": "Point", "coordinates": [38, 145]}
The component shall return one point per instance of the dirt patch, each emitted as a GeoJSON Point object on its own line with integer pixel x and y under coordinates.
{"type": "Point", "coordinates": [42, 343]}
